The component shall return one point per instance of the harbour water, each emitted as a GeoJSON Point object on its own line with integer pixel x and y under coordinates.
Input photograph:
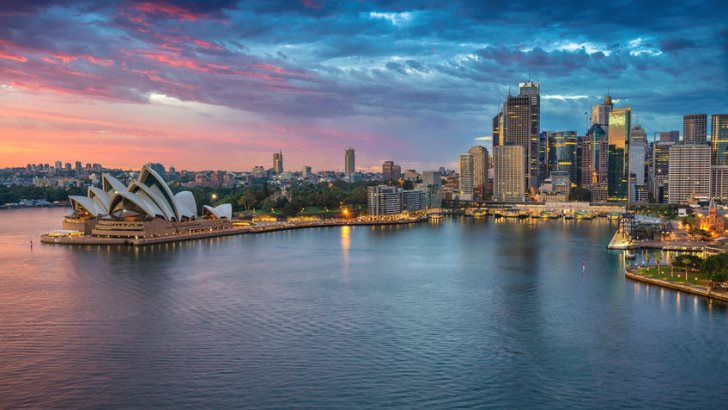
{"type": "Point", "coordinates": [465, 313]}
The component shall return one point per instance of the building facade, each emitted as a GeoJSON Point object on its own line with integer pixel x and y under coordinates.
{"type": "Point", "coordinates": [562, 153]}
{"type": "Point", "coordinates": [278, 163]}
{"type": "Point", "coordinates": [719, 138]}
{"type": "Point", "coordinates": [481, 166]}
{"type": "Point", "coordinates": [466, 184]}
{"type": "Point", "coordinates": [508, 176]}
{"type": "Point", "coordinates": [719, 182]}
{"type": "Point", "coordinates": [695, 128]}
{"type": "Point", "coordinates": [600, 112]}
{"type": "Point", "coordinates": [384, 200]}
{"type": "Point", "coordinates": [689, 171]}
{"type": "Point", "coordinates": [618, 156]}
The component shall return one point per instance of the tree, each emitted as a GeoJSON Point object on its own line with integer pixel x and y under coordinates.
{"type": "Point", "coordinates": [247, 200]}
{"type": "Point", "coordinates": [580, 194]}
{"type": "Point", "coordinates": [292, 207]}
{"type": "Point", "coordinates": [715, 267]}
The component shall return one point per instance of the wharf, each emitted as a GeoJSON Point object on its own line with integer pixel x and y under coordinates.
{"type": "Point", "coordinates": [236, 230]}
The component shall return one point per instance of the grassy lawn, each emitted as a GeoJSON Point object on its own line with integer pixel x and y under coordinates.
{"type": "Point", "coordinates": [678, 275]}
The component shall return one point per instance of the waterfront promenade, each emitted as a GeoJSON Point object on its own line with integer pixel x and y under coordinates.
{"type": "Point", "coordinates": [253, 228]}
{"type": "Point", "coordinates": [633, 273]}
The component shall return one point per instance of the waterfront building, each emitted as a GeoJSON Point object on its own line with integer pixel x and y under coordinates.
{"type": "Point", "coordinates": [466, 177]}
{"type": "Point", "coordinates": [695, 128]}
{"type": "Point", "coordinates": [481, 166]}
{"type": "Point", "coordinates": [349, 163]}
{"type": "Point", "coordinates": [278, 163]}
{"type": "Point", "coordinates": [384, 200]}
{"type": "Point", "coordinates": [719, 138]}
{"type": "Point", "coordinates": [719, 182]}
{"type": "Point", "coordinates": [508, 174]}
{"type": "Point", "coordinates": [413, 200]}
{"type": "Point", "coordinates": [562, 153]}
{"type": "Point", "coordinates": [689, 171]}
{"type": "Point", "coordinates": [618, 155]}
{"type": "Point", "coordinates": [600, 112]}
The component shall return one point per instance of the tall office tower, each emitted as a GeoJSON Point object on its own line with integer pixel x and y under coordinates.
{"type": "Point", "coordinates": [659, 172]}
{"type": "Point", "coordinates": [517, 128]}
{"type": "Point", "coordinates": [719, 138]}
{"type": "Point", "coordinates": [543, 154]}
{"type": "Point", "coordinates": [719, 182]}
{"type": "Point", "coordinates": [466, 177]}
{"type": "Point", "coordinates": [695, 128]}
{"type": "Point", "coordinates": [638, 182]}
{"type": "Point", "coordinates": [396, 172]}
{"type": "Point", "coordinates": [638, 136]}
{"type": "Point", "coordinates": [508, 176]}
{"type": "Point", "coordinates": [480, 171]}
{"type": "Point", "coordinates": [533, 91]}
{"type": "Point", "coordinates": [593, 163]}
{"type": "Point", "coordinates": [600, 112]}
{"type": "Point", "coordinates": [668, 136]}
{"type": "Point", "coordinates": [68, 167]}
{"type": "Point", "coordinates": [498, 125]}
{"type": "Point", "coordinates": [278, 162]}
{"type": "Point", "coordinates": [59, 166]}
{"type": "Point", "coordinates": [689, 173]}
{"type": "Point", "coordinates": [387, 170]}
{"type": "Point", "coordinates": [349, 163]}
{"type": "Point", "coordinates": [620, 121]}
{"type": "Point", "coordinates": [79, 168]}
{"type": "Point", "coordinates": [562, 153]}
{"type": "Point", "coordinates": [306, 170]}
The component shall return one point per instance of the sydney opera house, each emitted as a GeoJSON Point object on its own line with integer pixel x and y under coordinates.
{"type": "Point", "coordinates": [144, 209]}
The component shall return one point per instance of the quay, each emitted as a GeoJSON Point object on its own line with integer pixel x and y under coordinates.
{"type": "Point", "coordinates": [718, 294]}
{"type": "Point", "coordinates": [66, 238]}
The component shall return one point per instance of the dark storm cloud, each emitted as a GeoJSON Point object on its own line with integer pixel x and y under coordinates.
{"type": "Point", "coordinates": [450, 62]}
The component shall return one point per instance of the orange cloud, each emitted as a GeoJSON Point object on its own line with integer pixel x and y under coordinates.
{"type": "Point", "coordinates": [13, 57]}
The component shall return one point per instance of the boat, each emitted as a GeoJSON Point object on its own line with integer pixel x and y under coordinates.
{"type": "Point", "coordinates": [629, 255]}
{"type": "Point", "coordinates": [479, 213]}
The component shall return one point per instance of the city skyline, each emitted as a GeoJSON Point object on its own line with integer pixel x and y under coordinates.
{"type": "Point", "coordinates": [168, 81]}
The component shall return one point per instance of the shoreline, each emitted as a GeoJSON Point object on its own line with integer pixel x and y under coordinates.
{"type": "Point", "coordinates": [250, 229]}
{"type": "Point", "coordinates": [630, 273]}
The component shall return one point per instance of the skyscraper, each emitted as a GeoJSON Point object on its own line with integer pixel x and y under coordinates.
{"type": "Point", "coordinates": [600, 112]}
{"type": "Point", "coordinates": [480, 171]}
{"type": "Point", "coordinates": [508, 177]}
{"type": "Point", "coordinates": [391, 171]}
{"type": "Point", "coordinates": [532, 90]}
{"type": "Point", "coordinates": [689, 171]}
{"type": "Point", "coordinates": [278, 162]}
{"type": "Point", "coordinates": [562, 153]}
{"type": "Point", "coordinates": [620, 120]}
{"type": "Point", "coordinates": [669, 136]}
{"type": "Point", "coordinates": [593, 163]}
{"type": "Point", "coordinates": [466, 177]}
{"type": "Point", "coordinates": [517, 127]}
{"type": "Point", "coordinates": [660, 171]}
{"type": "Point", "coordinates": [349, 163]}
{"type": "Point", "coordinates": [498, 125]}
{"type": "Point", "coordinates": [695, 128]}
{"type": "Point", "coordinates": [719, 138]}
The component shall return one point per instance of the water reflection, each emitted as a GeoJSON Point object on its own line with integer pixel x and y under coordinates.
{"type": "Point", "coordinates": [345, 247]}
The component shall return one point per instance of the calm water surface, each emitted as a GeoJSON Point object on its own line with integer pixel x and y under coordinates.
{"type": "Point", "coordinates": [463, 313]}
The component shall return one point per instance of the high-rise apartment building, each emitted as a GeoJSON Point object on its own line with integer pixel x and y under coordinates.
{"type": "Point", "coordinates": [278, 163]}
{"type": "Point", "coordinates": [600, 112]}
{"type": "Point", "coordinates": [689, 173]}
{"type": "Point", "coordinates": [695, 128]}
{"type": "Point", "coordinates": [719, 138]}
{"type": "Point", "coordinates": [508, 176]}
{"type": "Point", "coordinates": [349, 163]}
{"type": "Point", "coordinates": [620, 120]}
{"type": "Point", "coordinates": [466, 186]}
{"type": "Point", "coordinates": [719, 182]}
{"type": "Point", "coordinates": [481, 166]}
{"type": "Point", "coordinates": [384, 200]}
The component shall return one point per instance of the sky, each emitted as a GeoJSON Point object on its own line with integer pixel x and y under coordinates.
{"type": "Point", "coordinates": [222, 84]}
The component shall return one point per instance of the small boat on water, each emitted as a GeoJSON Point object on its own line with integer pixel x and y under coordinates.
{"type": "Point", "coordinates": [629, 255]}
